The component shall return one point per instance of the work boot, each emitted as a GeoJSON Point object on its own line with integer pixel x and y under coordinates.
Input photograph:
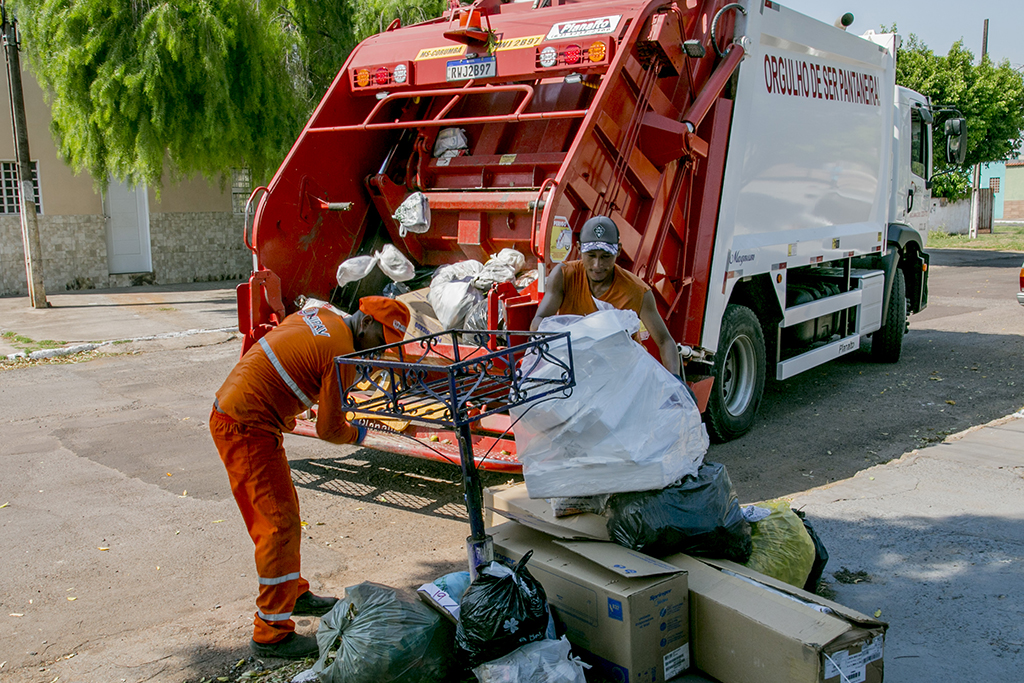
{"type": "Point", "coordinates": [309, 605]}
{"type": "Point", "coordinates": [292, 646]}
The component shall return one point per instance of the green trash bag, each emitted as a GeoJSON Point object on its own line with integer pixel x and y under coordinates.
{"type": "Point", "coordinates": [383, 635]}
{"type": "Point", "coordinates": [783, 549]}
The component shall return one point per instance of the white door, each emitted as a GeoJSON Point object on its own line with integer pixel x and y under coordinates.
{"type": "Point", "coordinates": [127, 211]}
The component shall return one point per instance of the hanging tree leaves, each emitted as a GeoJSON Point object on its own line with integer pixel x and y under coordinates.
{"type": "Point", "coordinates": [138, 87]}
{"type": "Point", "coordinates": [145, 91]}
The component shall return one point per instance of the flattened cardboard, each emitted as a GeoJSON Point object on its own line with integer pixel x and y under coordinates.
{"type": "Point", "coordinates": [623, 561]}
{"type": "Point", "coordinates": [440, 600]}
{"type": "Point", "coordinates": [748, 628]}
{"type": "Point", "coordinates": [634, 629]}
{"type": "Point", "coordinates": [513, 502]}
{"type": "Point", "coordinates": [422, 319]}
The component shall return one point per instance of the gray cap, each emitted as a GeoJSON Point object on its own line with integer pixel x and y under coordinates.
{"type": "Point", "coordinates": [600, 229]}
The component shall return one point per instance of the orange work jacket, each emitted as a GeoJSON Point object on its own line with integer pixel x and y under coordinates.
{"type": "Point", "coordinates": [290, 369]}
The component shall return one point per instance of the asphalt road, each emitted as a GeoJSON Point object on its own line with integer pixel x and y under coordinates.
{"type": "Point", "coordinates": [125, 558]}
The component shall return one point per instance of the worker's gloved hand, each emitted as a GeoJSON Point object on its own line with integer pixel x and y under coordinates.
{"type": "Point", "coordinates": [362, 433]}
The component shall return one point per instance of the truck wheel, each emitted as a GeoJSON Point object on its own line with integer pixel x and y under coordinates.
{"type": "Point", "coordinates": [887, 341]}
{"type": "Point", "coordinates": [739, 375]}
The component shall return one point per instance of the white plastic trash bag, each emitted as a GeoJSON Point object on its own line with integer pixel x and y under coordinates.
{"type": "Point", "coordinates": [395, 265]}
{"type": "Point", "coordinates": [393, 262]}
{"type": "Point", "coordinates": [355, 268]}
{"type": "Point", "coordinates": [501, 267]}
{"type": "Point", "coordinates": [413, 214]}
{"type": "Point", "coordinates": [629, 425]}
{"type": "Point", "coordinates": [452, 295]}
{"type": "Point", "coordinates": [451, 142]}
{"type": "Point", "coordinates": [544, 661]}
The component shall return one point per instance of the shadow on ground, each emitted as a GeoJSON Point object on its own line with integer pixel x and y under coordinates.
{"type": "Point", "coordinates": [393, 481]}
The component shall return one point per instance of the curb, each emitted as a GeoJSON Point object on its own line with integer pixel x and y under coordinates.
{"type": "Point", "coordinates": [82, 348]}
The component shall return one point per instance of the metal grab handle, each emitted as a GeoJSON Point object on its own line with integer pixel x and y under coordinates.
{"type": "Point", "coordinates": [245, 220]}
{"type": "Point", "coordinates": [910, 199]}
{"type": "Point", "coordinates": [456, 93]}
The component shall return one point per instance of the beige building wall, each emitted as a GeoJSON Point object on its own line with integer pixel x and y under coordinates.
{"type": "Point", "coordinates": [194, 234]}
{"type": "Point", "coordinates": [61, 190]}
{"type": "Point", "coordinates": [1013, 187]}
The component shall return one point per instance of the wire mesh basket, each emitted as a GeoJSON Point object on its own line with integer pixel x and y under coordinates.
{"type": "Point", "coordinates": [453, 379]}
{"type": "Point", "coordinates": [463, 375]}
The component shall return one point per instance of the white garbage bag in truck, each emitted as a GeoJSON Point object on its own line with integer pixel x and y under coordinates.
{"type": "Point", "coordinates": [629, 425]}
{"type": "Point", "coordinates": [452, 294]}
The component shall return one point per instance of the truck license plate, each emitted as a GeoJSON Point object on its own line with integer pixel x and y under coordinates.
{"type": "Point", "coordinates": [465, 69]}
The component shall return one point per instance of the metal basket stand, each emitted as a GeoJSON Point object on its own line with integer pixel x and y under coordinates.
{"type": "Point", "coordinates": [472, 375]}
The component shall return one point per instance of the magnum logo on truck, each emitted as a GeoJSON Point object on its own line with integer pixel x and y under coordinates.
{"type": "Point", "coordinates": [797, 78]}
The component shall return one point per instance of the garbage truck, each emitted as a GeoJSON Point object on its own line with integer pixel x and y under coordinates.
{"type": "Point", "coordinates": [769, 179]}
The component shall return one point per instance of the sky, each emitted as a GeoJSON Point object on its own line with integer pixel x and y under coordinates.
{"type": "Point", "coordinates": [938, 23]}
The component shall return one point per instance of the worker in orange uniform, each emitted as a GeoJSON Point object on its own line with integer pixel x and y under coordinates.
{"type": "Point", "coordinates": [290, 369]}
{"type": "Point", "coordinates": [596, 283]}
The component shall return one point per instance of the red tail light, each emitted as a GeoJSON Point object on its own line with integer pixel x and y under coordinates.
{"type": "Point", "coordinates": [573, 54]}
{"type": "Point", "coordinates": [383, 76]}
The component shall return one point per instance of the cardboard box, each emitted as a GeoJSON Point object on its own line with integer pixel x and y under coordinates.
{"type": "Point", "coordinates": [513, 502]}
{"type": "Point", "coordinates": [422, 320]}
{"type": "Point", "coordinates": [625, 613]}
{"type": "Point", "coordinates": [749, 628]}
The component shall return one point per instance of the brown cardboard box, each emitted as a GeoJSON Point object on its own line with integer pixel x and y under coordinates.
{"type": "Point", "coordinates": [750, 628]}
{"type": "Point", "coordinates": [625, 612]}
{"type": "Point", "coordinates": [514, 502]}
{"type": "Point", "coordinates": [422, 320]}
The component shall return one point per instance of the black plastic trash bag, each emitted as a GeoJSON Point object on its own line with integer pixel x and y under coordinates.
{"type": "Point", "coordinates": [383, 635]}
{"type": "Point", "coordinates": [699, 516]}
{"type": "Point", "coordinates": [501, 611]}
{"type": "Point", "coordinates": [820, 556]}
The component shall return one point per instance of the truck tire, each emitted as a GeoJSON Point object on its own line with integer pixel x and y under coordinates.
{"type": "Point", "coordinates": [739, 375]}
{"type": "Point", "coordinates": [887, 341]}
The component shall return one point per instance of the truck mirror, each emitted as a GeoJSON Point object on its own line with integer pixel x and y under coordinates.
{"type": "Point", "coordinates": [956, 140]}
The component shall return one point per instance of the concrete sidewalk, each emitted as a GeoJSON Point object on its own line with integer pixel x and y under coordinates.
{"type": "Point", "coordinates": [95, 315]}
{"type": "Point", "coordinates": [938, 533]}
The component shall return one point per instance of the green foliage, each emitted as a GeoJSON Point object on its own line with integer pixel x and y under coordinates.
{"type": "Point", "coordinates": [197, 86]}
{"type": "Point", "coordinates": [327, 30]}
{"type": "Point", "coordinates": [990, 96]}
{"type": "Point", "coordinates": [374, 16]}
{"type": "Point", "coordinates": [144, 91]}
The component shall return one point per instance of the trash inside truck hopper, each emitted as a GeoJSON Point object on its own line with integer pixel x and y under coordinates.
{"type": "Point", "coordinates": [769, 181]}
{"type": "Point", "coordinates": [573, 110]}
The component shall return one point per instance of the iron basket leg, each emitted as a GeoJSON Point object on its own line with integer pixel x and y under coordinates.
{"type": "Point", "coordinates": [479, 545]}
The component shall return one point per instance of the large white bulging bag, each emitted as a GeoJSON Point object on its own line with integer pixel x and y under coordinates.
{"type": "Point", "coordinates": [629, 425]}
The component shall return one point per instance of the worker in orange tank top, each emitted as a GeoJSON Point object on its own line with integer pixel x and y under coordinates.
{"type": "Point", "coordinates": [596, 283]}
{"type": "Point", "coordinates": [289, 370]}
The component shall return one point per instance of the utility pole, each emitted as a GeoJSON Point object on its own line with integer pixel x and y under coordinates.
{"type": "Point", "coordinates": [976, 173]}
{"type": "Point", "coordinates": [26, 194]}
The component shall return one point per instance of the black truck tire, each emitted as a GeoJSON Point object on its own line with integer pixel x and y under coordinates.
{"type": "Point", "coordinates": [887, 341]}
{"type": "Point", "coordinates": [739, 375]}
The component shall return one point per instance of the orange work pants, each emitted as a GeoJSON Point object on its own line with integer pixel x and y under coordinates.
{"type": "Point", "coordinates": [261, 482]}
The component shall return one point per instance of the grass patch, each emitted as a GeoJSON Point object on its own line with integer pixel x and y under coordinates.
{"type": "Point", "coordinates": [1002, 238]}
{"type": "Point", "coordinates": [28, 345]}
{"type": "Point", "coordinates": [20, 363]}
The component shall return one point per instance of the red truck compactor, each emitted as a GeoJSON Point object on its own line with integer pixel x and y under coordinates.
{"type": "Point", "coordinates": [574, 109]}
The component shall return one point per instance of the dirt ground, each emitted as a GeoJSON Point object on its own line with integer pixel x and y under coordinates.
{"type": "Point", "coordinates": [126, 560]}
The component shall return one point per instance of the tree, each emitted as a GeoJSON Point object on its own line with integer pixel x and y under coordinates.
{"type": "Point", "coordinates": [328, 30]}
{"type": "Point", "coordinates": [199, 86]}
{"type": "Point", "coordinates": [141, 90]}
{"type": "Point", "coordinates": [990, 96]}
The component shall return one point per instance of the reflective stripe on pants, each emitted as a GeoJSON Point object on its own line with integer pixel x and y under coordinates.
{"type": "Point", "coordinates": [261, 482]}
